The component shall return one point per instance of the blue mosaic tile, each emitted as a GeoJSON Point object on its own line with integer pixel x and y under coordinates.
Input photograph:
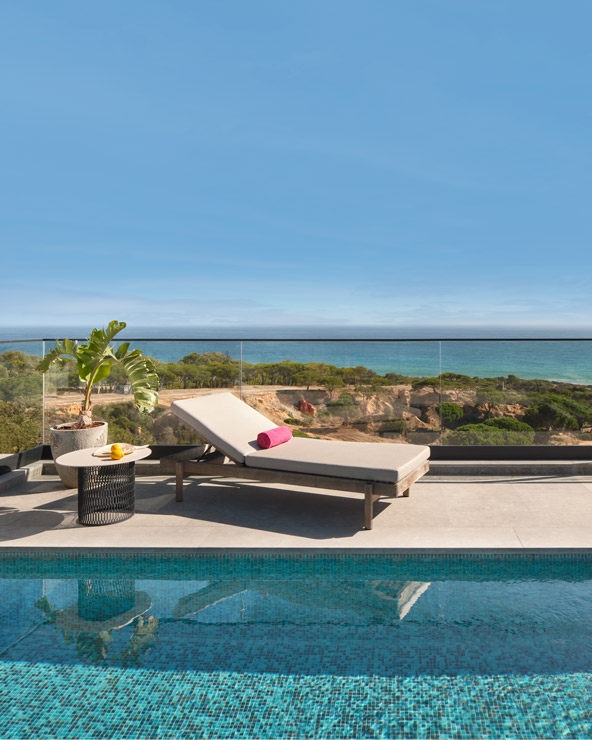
{"type": "Point", "coordinates": [292, 645]}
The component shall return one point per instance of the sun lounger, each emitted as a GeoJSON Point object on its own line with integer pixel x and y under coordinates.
{"type": "Point", "coordinates": [230, 427]}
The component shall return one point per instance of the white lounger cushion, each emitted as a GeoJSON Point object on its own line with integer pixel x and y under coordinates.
{"type": "Point", "coordinates": [224, 421]}
{"type": "Point", "coordinates": [232, 427]}
{"type": "Point", "coordinates": [380, 462]}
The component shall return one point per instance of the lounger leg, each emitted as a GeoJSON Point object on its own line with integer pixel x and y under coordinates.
{"type": "Point", "coordinates": [179, 481]}
{"type": "Point", "coordinates": [407, 492]}
{"type": "Point", "coordinates": [368, 505]}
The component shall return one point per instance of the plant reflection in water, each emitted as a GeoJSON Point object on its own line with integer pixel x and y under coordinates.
{"type": "Point", "coordinates": [104, 606]}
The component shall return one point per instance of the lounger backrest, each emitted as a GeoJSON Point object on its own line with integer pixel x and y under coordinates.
{"type": "Point", "coordinates": [225, 422]}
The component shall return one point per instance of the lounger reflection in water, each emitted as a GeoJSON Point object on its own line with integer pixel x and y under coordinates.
{"type": "Point", "coordinates": [230, 428]}
{"type": "Point", "coordinates": [299, 601]}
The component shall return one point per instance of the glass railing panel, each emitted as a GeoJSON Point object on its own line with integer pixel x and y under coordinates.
{"type": "Point", "coordinates": [21, 396]}
{"type": "Point", "coordinates": [517, 392]}
{"type": "Point", "coordinates": [348, 390]}
{"type": "Point", "coordinates": [486, 392]}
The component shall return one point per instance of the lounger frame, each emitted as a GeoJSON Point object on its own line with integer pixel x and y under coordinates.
{"type": "Point", "coordinates": [216, 464]}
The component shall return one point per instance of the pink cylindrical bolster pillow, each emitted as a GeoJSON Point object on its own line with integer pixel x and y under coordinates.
{"type": "Point", "coordinates": [273, 437]}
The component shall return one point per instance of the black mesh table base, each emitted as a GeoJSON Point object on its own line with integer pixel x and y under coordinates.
{"type": "Point", "coordinates": [106, 495]}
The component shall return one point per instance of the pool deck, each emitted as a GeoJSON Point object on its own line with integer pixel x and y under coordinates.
{"type": "Point", "coordinates": [475, 512]}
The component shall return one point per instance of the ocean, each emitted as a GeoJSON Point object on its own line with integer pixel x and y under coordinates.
{"type": "Point", "coordinates": [552, 354]}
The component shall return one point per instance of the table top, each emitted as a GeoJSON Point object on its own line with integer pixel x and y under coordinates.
{"type": "Point", "coordinates": [85, 459]}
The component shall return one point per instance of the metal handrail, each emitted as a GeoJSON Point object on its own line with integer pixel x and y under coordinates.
{"type": "Point", "coordinates": [21, 341]}
{"type": "Point", "coordinates": [314, 339]}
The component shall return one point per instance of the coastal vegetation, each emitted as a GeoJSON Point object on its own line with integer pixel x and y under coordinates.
{"type": "Point", "coordinates": [340, 403]}
{"type": "Point", "coordinates": [20, 402]}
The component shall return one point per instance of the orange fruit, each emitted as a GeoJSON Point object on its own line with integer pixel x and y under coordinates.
{"type": "Point", "coordinates": [116, 452]}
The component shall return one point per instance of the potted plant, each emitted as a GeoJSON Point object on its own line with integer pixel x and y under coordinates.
{"type": "Point", "coordinates": [94, 362]}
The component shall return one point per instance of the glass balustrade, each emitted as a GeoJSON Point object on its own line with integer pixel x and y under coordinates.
{"type": "Point", "coordinates": [448, 392]}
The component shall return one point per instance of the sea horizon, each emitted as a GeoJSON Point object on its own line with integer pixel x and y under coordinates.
{"type": "Point", "coordinates": [306, 331]}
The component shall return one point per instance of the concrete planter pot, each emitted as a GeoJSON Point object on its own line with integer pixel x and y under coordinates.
{"type": "Point", "coordinates": [64, 440]}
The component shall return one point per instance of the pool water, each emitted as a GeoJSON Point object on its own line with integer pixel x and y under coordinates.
{"type": "Point", "coordinates": [289, 645]}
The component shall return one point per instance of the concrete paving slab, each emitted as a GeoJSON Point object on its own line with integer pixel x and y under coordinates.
{"type": "Point", "coordinates": [163, 519]}
{"type": "Point", "coordinates": [453, 513]}
{"type": "Point", "coordinates": [448, 537]}
{"type": "Point", "coordinates": [558, 507]}
{"type": "Point", "coordinates": [424, 512]}
{"type": "Point", "coordinates": [222, 537]}
{"type": "Point", "coordinates": [114, 535]}
{"type": "Point", "coordinates": [552, 487]}
{"type": "Point", "coordinates": [555, 537]}
{"type": "Point", "coordinates": [493, 517]}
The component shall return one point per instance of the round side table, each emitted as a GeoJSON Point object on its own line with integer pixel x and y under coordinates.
{"type": "Point", "coordinates": [106, 488]}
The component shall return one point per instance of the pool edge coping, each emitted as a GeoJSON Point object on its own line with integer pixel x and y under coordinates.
{"type": "Point", "coordinates": [301, 551]}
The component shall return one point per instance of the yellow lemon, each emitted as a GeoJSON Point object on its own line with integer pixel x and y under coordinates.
{"type": "Point", "coordinates": [116, 452]}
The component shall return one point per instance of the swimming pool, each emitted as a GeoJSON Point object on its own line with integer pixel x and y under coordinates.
{"type": "Point", "coordinates": [278, 645]}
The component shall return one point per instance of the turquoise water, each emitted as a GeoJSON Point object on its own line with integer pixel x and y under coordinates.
{"type": "Point", "coordinates": [295, 646]}
{"type": "Point", "coordinates": [569, 361]}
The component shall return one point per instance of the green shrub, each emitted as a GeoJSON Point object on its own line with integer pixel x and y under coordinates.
{"type": "Point", "coordinates": [394, 424]}
{"type": "Point", "coordinates": [345, 399]}
{"type": "Point", "coordinates": [343, 412]}
{"type": "Point", "coordinates": [484, 434]}
{"type": "Point", "coordinates": [549, 415]}
{"type": "Point", "coordinates": [450, 412]}
{"type": "Point", "coordinates": [457, 379]}
{"type": "Point", "coordinates": [425, 382]}
{"type": "Point", "coordinates": [292, 422]}
{"type": "Point", "coordinates": [446, 380]}
{"type": "Point", "coordinates": [561, 411]}
{"type": "Point", "coordinates": [509, 423]}
{"type": "Point", "coordinates": [396, 379]}
{"type": "Point", "coordinates": [300, 433]}
{"type": "Point", "coordinates": [20, 426]}
{"type": "Point", "coordinates": [581, 412]}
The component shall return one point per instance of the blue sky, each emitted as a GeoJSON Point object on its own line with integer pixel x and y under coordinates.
{"type": "Point", "coordinates": [218, 163]}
